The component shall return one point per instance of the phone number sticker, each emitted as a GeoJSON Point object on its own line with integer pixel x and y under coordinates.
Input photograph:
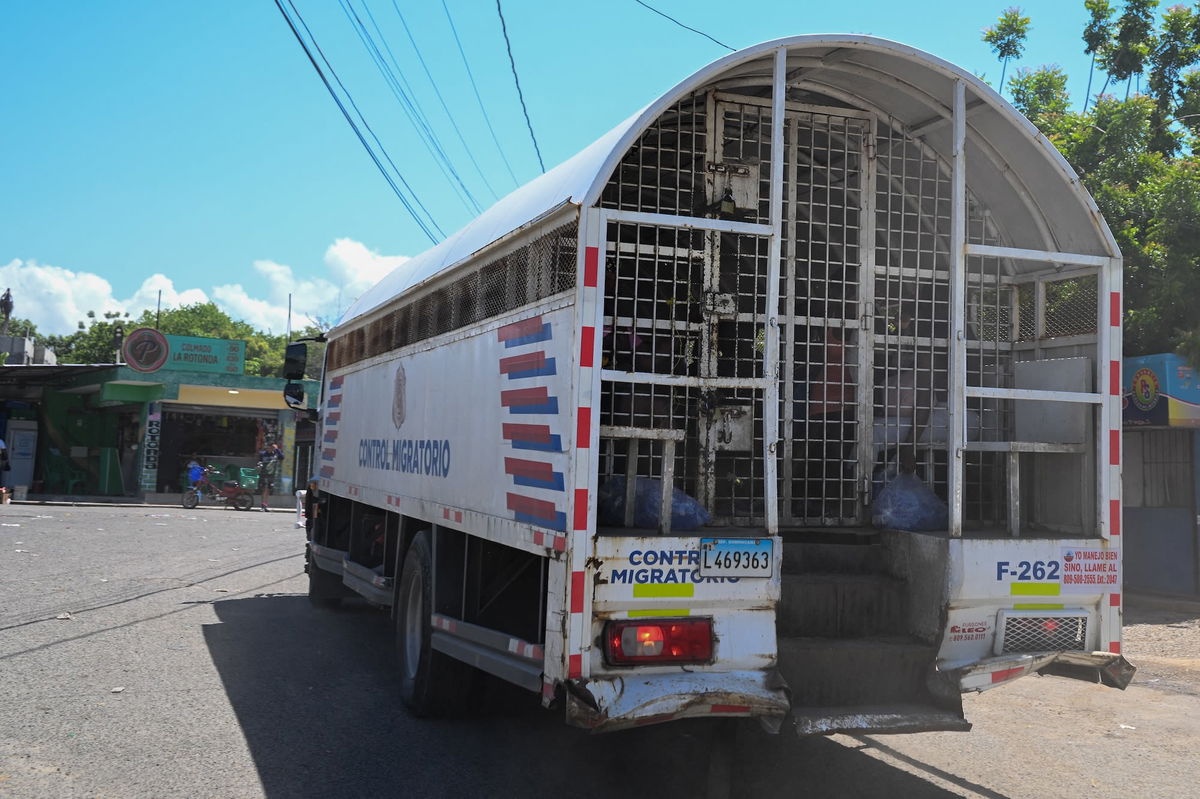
{"type": "Point", "coordinates": [1091, 570]}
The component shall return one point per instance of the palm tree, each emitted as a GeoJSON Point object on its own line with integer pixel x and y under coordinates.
{"type": "Point", "coordinates": [1096, 36]}
{"type": "Point", "coordinates": [1007, 38]}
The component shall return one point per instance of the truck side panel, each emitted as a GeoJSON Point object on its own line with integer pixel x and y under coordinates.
{"type": "Point", "coordinates": [469, 430]}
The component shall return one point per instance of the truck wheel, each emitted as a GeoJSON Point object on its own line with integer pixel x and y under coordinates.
{"type": "Point", "coordinates": [325, 589]}
{"type": "Point", "coordinates": [431, 683]}
{"type": "Point", "coordinates": [242, 501]}
{"type": "Point", "coordinates": [191, 498]}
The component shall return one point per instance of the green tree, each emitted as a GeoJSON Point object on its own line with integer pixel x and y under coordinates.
{"type": "Point", "coordinates": [264, 351]}
{"type": "Point", "coordinates": [18, 326]}
{"type": "Point", "coordinates": [1040, 92]}
{"type": "Point", "coordinates": [1173, 50]}
{"type": "Point", "coordinates": [1007, 37]}
{"type": "Point", "coordinates": [1132, 44]}
{"type": "Point", "coordinates": [93, 342]}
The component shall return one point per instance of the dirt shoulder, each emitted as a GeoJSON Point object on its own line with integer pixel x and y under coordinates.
{"type": "Point", "coordinates": [1162, 638]}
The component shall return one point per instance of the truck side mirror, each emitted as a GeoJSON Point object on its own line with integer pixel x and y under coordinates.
{"type": "Point", "coordinates": [294, 359]}
{"type": "Point", "coordinates": [293, 395]}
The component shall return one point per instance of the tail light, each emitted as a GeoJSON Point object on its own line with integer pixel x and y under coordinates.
{"type": "Point", "coordinates": [658, 641]}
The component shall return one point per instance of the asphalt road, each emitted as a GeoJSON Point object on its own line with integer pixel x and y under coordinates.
{"type": "Point", "coordinates": [190, 664]}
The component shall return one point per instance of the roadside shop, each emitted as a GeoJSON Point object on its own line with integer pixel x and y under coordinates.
{"type": "Point", "coordinates": [1160, 478]}
{"type": "Point", "coordinates": [129, 429]}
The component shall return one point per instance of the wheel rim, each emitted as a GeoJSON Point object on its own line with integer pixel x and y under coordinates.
{"type": "Point", "coordinates": [413, 613]}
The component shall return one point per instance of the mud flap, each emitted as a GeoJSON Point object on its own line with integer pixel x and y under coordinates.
{"type": "Point", "coordinates": [1108, 668]}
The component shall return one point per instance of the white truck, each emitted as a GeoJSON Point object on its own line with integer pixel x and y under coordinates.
{"type": "Point", "coordinates": [815, 264]}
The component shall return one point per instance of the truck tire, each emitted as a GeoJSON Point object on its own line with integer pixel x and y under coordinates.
{"type": "Point", "coordinates": [431, 683]}
{"type": "Point", "coordinates": [325, 589]}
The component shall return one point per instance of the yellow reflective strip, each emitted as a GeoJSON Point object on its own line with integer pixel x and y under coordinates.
{"type": "Point", "coordinates": [1036, 589]}
{"type": "Point", "coordinates": [1023, 606]}
{"type": "Point", "coordinates": [646, 590]}
{"type": "Point", "coordinates": [642, 614]}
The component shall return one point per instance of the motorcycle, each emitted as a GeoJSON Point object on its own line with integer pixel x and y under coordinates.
{"type": "Point", "coordinates": [215, 488]}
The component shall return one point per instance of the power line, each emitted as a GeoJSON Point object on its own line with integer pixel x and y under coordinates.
{"type": "Point", "coordinates": [404, 92]}
{"type": "Point", "coordinates": [408, 103]}
{"type": "Point", "coordinates": [441, 99]}
{"type": "Point", "coordinates": [354, 105]}
{"type": "Point", "coordinates": [680, 24]}
{"type": "Point", "coordinates": [478, 98]}
{"type": "Point", "coordinates": [516, 80]}
{"type": "Point", "coordinates": [408, 205]}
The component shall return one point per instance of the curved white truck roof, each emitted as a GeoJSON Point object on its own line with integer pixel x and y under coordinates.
{"type": "Point", "coordinates": [1034, 196]}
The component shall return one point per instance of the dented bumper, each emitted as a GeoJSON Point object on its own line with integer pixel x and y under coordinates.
{"type": "Point", "coordinates": [1103, 667]}
{"type": "Point", "coordinates": [614, 703]}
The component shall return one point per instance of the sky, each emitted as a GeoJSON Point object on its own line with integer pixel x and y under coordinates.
{"type": "Point", "coordinates": [190, 148]}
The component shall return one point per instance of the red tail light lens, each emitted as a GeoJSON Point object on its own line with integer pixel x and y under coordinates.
{"type": "Point", "coordinates": [658, 641]}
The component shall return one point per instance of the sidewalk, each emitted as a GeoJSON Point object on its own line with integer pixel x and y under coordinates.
{"type": "Point", "coordinates": [277, 502]}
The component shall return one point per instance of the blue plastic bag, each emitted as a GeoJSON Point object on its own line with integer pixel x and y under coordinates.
{"type": "Point", "coordinates": [906, 503]}
{"type": "Point", "coordinates": [686, 513]}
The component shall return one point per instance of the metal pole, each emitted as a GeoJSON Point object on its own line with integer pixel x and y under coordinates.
{"type": "Point", "coordinates": [774, 262]}
{"type": "Point", "coordinates": [958, 333]}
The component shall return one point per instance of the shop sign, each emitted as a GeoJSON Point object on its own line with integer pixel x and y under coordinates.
{"type": "Point", "coordinates": [148, 350]}
{"type": "Point", "coordinates": [1160, 391]}
{"type": "Point", "coordinates": [150, 449]}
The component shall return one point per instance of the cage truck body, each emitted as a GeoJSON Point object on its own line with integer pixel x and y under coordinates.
{"type": "Point", "coordinates": [622, 440]}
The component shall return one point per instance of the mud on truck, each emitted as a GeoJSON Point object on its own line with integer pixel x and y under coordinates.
{"type": "Point", "coordinates": [622, 439]}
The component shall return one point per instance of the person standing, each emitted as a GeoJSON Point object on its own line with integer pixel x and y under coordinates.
{"type": "Point", "coordinates": [270, 459]}
{"type": "Point", "coordinates": [195, 471]}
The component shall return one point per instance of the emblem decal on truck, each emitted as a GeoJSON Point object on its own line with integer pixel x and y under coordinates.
{"type": "Point", "coordinates": [398, 406]}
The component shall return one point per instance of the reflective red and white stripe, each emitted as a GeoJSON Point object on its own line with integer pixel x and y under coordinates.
{"type": "Point", "coordinates": [1110, 610]}
{"type": "Point", "coordinates": [588, 315]}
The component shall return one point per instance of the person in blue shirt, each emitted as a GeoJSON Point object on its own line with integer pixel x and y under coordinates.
{"type": "Point", "coordinates": [195, 471]}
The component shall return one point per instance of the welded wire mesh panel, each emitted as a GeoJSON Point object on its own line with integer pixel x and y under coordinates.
{"type": "Point", "coordinates": [824, 467]}
{"type": "Point", "coordinates": [985, 489]}
{"type": "Point", "coordinates": [736, 305]}
{"type": "Point", "coordinates": [821, 280]}
{"type": "Point", "coordinates": [664, 172]}
{"type": "Point", "coordinates": [1044, 633]}
{"type": "Point", "coordinates": [540, 269]}
{"type": "Point", "coordinates": [1071, 307]}
{"type": "Point", "coordinates": [656, 407]}
{"type": "Point", "coordinates": [745, 161]}
{"type": "Point", "coordinates": [739, 487]}
{"type": "Point", "coordinates": [911, 323]}
{"type": "Point", "coordinates": [1026, 312]}
{"type": "Point", "coordinates": [912, 302]}
{"type": "Point", "coordinates": [654, 299]}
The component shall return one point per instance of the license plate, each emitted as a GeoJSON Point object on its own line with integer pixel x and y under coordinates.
{"type": "Point", "coordinates": [735, 557]}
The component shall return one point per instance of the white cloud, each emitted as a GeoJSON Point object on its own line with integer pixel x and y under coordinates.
{"type": "Point", "coordinates": [56, 299]}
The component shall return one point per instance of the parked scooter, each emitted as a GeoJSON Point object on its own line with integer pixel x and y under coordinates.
{"type": "Point", "coordinates": [215, 488]}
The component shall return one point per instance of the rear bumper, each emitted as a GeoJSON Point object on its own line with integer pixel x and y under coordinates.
{"type": "Point", "coordinates": [1103, 667]}
{"type": "Point", "coordinates": [615, 703]}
